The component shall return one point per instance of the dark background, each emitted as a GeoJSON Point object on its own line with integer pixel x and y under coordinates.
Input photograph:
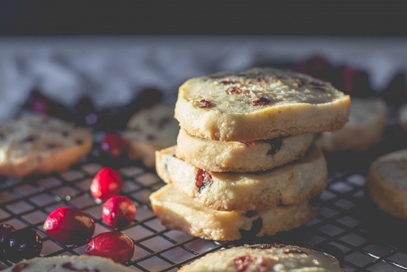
{"type": "Point", "coordinates": [189, 17]}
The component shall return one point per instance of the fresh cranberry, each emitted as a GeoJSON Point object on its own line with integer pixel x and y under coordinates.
{"type": "Point", "coordinates": [69, 226]}
{"type": "Point", "coordinates": [5, 230]}
{"type": "Point", "coordinates": [22, 244]}
{"type": "Point", "coordinates": [114, 245]}
{"type": "Point", "coordinates": [118, 212]}
{"type": "Point", "coordinates": [113, 145]}
{"type": "Point", "coordinates": [106, 183]}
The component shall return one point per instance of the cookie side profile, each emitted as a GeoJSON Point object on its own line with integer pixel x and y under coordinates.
{"type": "Point", "coordinates": [386, 183]}
{"type": "Point", "coordinates": [237, 156]}
{"type": "Point", "coordinates": [37, 144]}
{"type": "Point", "coordinates": [367, 122]}
{"type": "Point", "coordinates": [261, 103]}
{"type": "Point", "coordinates": [265, 257]}
{"type": "Point", "coordinates": [178, 212]}
{"type": "Point", "coordinates": [67, 264]}
{"type": "Point", "coordinates": [150, 130]}
{"type": "Point", "coordinates": [292, 183]}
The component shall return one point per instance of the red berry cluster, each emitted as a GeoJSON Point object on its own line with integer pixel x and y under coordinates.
{"type": "Point", "coordinates": [73, 226]}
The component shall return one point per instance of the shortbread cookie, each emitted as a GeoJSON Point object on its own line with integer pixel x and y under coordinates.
{"type": "Point", "coordinates": [367, 122]}
{"type": "Point", "coordinates": [262, 103]}
{"type": "Point", "coordinates": [178, 212]}
{"type": "Point", "coordinates": [236, 156]}
{"type": "Point", "coordinates": [265, 257]}
{"type": "Point", "coordinates": [38, 144]}
{"type": "Point", "coordinates": [293, 183]}
{"type": "Point", "coordinates": [68, 264]}
{"type": "Point", "coordinates": [402, 116]}
{"type": "Point", "coordinates": [387, 183]}
{"type": "Point", "coordinates": [150, 130]}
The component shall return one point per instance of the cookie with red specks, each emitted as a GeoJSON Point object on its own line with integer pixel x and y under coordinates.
{"type": "Point", "coordinates": [235, 156]}
{"type": "Point", "coordinates": [367, 122]}
{"type": "Point", "coordinates": [386, 183]}
{"type": "Point", "coordinates": [265, 257]}
{"type": "Point", "coordinates": [150, 130]}
{"type": "Point", "coordinates": [261, 103]}
{"type": "Point", "coordinates": [178, 212]}
{"type": "Point", "coordinates": [66, 263]}
{"type": "Point", "coordinates": [292, 183]}
{"type": "Point", "coordinates": [38, 144]}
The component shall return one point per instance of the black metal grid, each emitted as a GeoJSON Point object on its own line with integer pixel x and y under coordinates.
{"type": "Point", "coordinates": [348, 226]}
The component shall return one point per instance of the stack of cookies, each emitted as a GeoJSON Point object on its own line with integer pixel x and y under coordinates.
{"type": "Point", "coordinates": [244, 164]}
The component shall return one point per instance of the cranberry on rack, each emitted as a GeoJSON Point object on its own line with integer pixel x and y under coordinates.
{"type": "Point", "coordinates": [118, 212]}
{"type": "Point", "coordinates": [106, 183]}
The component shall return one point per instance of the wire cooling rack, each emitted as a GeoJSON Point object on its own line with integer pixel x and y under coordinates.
{"type": "Point", "coordinates": [348, 225]}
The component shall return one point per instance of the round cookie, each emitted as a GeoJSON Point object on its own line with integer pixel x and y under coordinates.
{"type": "Point", "coordinates": [261, 103]}
{"type": "Point", "coordinates": [386, 183]}
{"type": "Point", "coordinates": [237, 156]}
{"type": "Point", "coordinates": [293, 183]}
{"type": "Point", "coordinates": [367, 122]}
{"type": "Point", "coordinates": [37, 144]}
{"type": "Point", "coordinates": [178, 212]}
{"type": "Point", "coordinates": [150, 130]}
{"type": "Point", "coordinates": [66, 263]}
{"type": "Point", "coordinates": [265, 257]}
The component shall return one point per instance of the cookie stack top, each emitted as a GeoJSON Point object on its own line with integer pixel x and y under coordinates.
{"type": "Point", "coordinates": [261, 103]}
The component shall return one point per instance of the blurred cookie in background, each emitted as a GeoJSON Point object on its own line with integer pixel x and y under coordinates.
{"type": "Point", "coordinates": [365, 128]}
{"type": "Point", "coordinates": [402, 117]}
{"type": "Point", "coordinates": [149, 130]}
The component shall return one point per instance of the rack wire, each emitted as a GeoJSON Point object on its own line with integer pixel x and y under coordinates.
{"type": "Point", "coordinates": [348, 225]}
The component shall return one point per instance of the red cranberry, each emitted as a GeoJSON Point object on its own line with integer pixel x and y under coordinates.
{"type": "Point", "coordinates": [242, 263]}
{"type": "Point", "coordinates": [106, 183]}
{"type": "Point", "coordinates": [118, 212]}
{"type": "Point", "coordinates": [114, 245]}
{"type": "Point", "coordinates": [113, 145]}
{"type": "Point", "coordinates": [22, 244]}
{"type": "Point", "coordinates": [5, 230]}
{"type": "Point", "coordinates": [69, 226]}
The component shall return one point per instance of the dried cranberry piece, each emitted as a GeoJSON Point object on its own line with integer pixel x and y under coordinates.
{"type": "Point", "coordinates": [235, 90]}
{"type": "Point", "coordinates": [19, 267]}
{"type": "Point", "coordinates": [262, 101]}
{"type": "Point", "coordinates": [242, 263]}
{"type": "Point", "coordinates": [276, 144]}
{"type": "Point", "coordinates": [203, 179]}
{"type": "Point", "coordinates": [248, 143]}
{"type": "Point", "coordinates": [227, 82]}
{"type": "Point", "coordinates": [206, 104]}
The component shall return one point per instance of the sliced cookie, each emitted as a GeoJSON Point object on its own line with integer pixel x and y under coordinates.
{"type": "Point", "coordinates": [150, 130]}
{"type": "Point", "coordinates": [261, 103]}
{"type": "Point", "coordinates": [367, 122]}
{"type": "Point", "coordinates": [177, 211]}
{"type": "Point", "coordinates": [265, 257]}
{"type": "Point", "coordinates": [68, 264]}
{"type": "Point", "coordinates": [293, 183]}
{"type": "Point", "coordinates": [38, 144]}
{"type": "Point", "coordinates": [387, 183]}
{"type": "Point", "coordinates": [237, 156]}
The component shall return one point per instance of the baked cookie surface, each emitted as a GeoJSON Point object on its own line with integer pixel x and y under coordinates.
{"type": "Point", "coordinates": [66, 263]}
{"type": "Point", "coordinates": [37, 144]}
{"type": "Point", "coordinates": [237, 156]}
{"type": "Point", "coordinates": [293, 183]}
{"type": "Point", "coordinates": [178, 212]}
{"type": "Point", "coordinates": [387, 183]}
{"type": "Point", "coordinates": [367, 122]}
{"type": "Point", "coordinates": [261, 103]}
{"type": "Point", "coordinates": [150, 130]}
{"type": "Point", "coordinates": [265, 257]}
